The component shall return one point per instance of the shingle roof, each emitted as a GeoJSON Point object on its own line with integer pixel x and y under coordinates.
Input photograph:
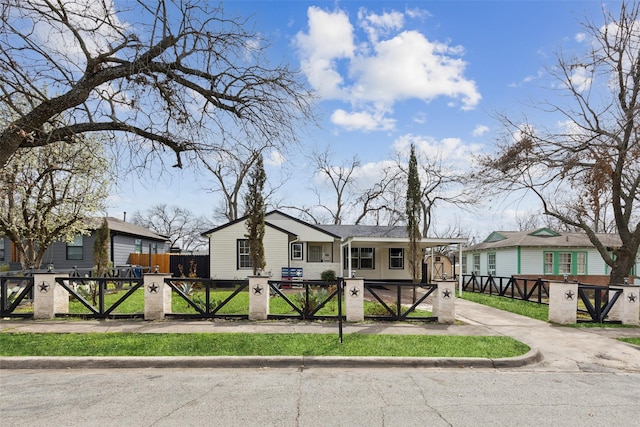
{"type": "Point", "coordinates": [533, 238]}
{"type": "Point", "coordinates": [345, 231]}
{"type": "Point", "coordinates": [120, 226]}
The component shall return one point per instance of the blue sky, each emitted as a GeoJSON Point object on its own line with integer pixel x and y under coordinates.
{"type": "Point", "coordinates": [388, 73]}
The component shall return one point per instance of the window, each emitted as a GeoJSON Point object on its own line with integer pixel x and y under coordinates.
{"type": "Point", "coordinates": [476, 263]}
{"type": "Point", "coordinates": [244, 260]}
{"type": "Point", "coordinates": [362, 258]}
{"type": "Point", "coordinates": [464, 264]}
{"type": "Point", "coordinates": [74, 249]}
{"type": "Point", "coordinates": [581, 267]}
{"type": "Point", "coordinates": [396, 258]}
{"type": "Point", "coordinates": [565, 263]}
{"type": "Point", "coordinates": [1, 248]}
{"type": "Point", "coordinates": [138, 244]}
{"type": "Point", "coordinates": [154, 248]}
{"type": "Point", "coordinates": [315, 253]}
{"type": "Point", "coordinates": [366, 258]}
{"type": "Point", "coordinates": [296, 251]}
{"type": "Point", "coordinates": [491, 263]}
{"type": "Point", "coordinates": [548, 263]}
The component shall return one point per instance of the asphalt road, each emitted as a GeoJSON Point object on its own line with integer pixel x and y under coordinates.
{"type": "Point", "coordinates": [317, 397]}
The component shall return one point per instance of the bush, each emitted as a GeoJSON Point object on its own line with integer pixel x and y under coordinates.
{"type": "Point", "coordinates": [328, 276]}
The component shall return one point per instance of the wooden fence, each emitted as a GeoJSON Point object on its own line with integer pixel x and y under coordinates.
{"type": "Point", "coordinates": [176, 264]}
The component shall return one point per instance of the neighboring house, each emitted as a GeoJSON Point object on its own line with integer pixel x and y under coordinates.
{"type": "Point", "coordinates": [539, 253]}
{"type": "Point", "coordinates": [124, 239]}
{"type": "Point", "coordinates": [372, 252]}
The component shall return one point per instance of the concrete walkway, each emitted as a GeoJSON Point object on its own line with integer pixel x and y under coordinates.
{"type": "Point", "coordinates": [553, 348]}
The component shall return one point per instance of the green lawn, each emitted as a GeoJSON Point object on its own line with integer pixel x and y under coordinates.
{"type": "Point", "coordinates": [524, 308]}
{"type": "Point", "coordinates": [238, 344]}
{"type": "Point", "coordinates": [635, 341]}
{"type": "Point", "coordinates": [239, 305]}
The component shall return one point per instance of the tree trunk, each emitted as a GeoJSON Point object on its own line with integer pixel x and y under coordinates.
{"type": "Point", "coordinates": [622, 266]}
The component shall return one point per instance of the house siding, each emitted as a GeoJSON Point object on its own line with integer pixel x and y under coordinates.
{"type": "Point", "coordinates": [223, 252]}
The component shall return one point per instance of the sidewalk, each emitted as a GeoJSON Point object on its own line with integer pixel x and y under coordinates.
{"type": "Point", "coordinates": [553, 348]}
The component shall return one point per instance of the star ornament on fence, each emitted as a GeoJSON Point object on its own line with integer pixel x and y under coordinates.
{"type": "Point", "coordinates": [257, 290]}
{"type": "Point", "coordinates": [632, 297]}
{"type": "Point", "coordinates": [569, 295]}
{"type": "Point", "coordinates": [44, 287]}
{"type": "Point", "coordinates": [354, 291]}
{"type": "Point", "coordinates": [153, 288]}
{"type": "Point", "coordinates": [446, 293]}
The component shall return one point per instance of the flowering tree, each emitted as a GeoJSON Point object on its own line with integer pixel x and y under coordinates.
{"type": "Point", "coordinates": [48, 193]}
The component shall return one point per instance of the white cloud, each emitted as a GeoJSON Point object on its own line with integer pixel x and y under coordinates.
{"type": "Point", "coordinates": [329, 39]}
{"type": "Point", "coordinates": [361, 120]}
{"type": "Point", "coordinates": [379, 25]}
{"type": "Point", "coordinates": [580, 37]}
{"type": "Point", "coordinates": [480, 130]}
{"type": "Point", "coordinates": [390, 67]}
{"type": "Point", "coordinates": [275, 158]}
{"type": "Point", "coordinates": [580, 79]}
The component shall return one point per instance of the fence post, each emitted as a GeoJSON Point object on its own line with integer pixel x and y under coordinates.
{"type": "Point", "coordinates": [354, 299]}
{"type": "Point", "coordinates": [258, 297]}
{"type": "Point", "coordinates": [627, 308]}
{"type": "Point", "coordinates": [563, 303]}
{"type": "Point", "coordinates": [157, 296]}
{"type": "Point", "coordinates": [49, 298]}
{"type": "Point", "coordinates": [446, 302]}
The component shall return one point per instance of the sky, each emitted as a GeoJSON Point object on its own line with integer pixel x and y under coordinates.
{"type": "Point", "coordinates": [391, 73]}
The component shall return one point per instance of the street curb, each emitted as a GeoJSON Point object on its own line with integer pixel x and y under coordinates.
{"type": "Point", "coordinates": [299, 362]}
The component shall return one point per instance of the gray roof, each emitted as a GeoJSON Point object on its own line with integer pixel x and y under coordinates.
{"type": "Point", "coordinates": [542, 238]}
{"type": "Point", "coordinates": [122, 227]}
{"type": "Point", "coordinates": [345, 231]}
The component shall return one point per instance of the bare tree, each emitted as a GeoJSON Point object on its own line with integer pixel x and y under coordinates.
{"type": "Point", "coordinates": [442, 184]}
{"type": "Point", "coordinates": [180, 225]}
{"type": "Point", "coordinates": [347, 191]}
{"type": "Point", "coordinates": [171, 75]}
{"type": "Point", "coordinates": [587, 170]}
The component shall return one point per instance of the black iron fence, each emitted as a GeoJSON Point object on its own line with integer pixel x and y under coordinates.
{"type": "Point", "coordinates": [103, 297]}
{"type": "Point", "coordinates": [398, 300]}
{"type": "Point", "coordinates": [16, 296]}
{"type": "Point", "coordinates": [308, 300]}
{"type": "Point", "coordinates": [533, 290]}
{"type": "Point", "coordinates": [208, 298]}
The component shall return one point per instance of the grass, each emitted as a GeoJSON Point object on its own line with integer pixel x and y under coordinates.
{"type": "Point", "coordinates": [239, 305]}
{"type": "Point", "coordinates": [523, 308]}
{"type": "Point", "coordinates": [238, 344]}
{"type": "Point", "coordinates": [532, 310]}
{"type": "Point", "coordinates": [634, 341]}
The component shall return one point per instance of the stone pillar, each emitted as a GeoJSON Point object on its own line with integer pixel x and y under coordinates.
{"type": "Point", "coordinates": [354, 299]}
{"type": "Point", "coordinates": [157, 296]}
{"type": "Point", "coordinates": [627, 307]}
{"type": "Point", "coordinates": [563, 303]}
{"type": "Point", "coordinates": [49, 298]}
{"type": "Point", "coordinates": [446, 302]}
{"type": "Point", "coordinates": [259, 292]}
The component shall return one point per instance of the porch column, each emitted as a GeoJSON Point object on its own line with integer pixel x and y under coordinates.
{"type": "Point", "coordinates": [627, 308]}
{"type": "Point", "coordinates": [445, 301]}
{"type": "Point", "coordinates": [49, 298]}
{"type": "Point", "coordinates": [354, 299]}
{"type": "Point", "coordinates": [157, 296]}
{"type": "Point", "coordinates": [258, 297]}
{"type": "Point", "coordinates": [563, 303]}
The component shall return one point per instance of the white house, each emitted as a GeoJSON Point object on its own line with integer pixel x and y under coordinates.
{"type": "Point", "coordinates": [372, 252]}
{"type": "Point", "coordinates": [540, 253]}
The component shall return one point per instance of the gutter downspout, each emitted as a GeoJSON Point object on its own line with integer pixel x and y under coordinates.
{"type": "Point", "coordinates": [460, 273]}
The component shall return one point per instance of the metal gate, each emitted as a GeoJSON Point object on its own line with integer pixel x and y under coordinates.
{"type": "Point", "coordinates": [100, 297]}
{"type": "Point", "coordinates": [15, 291]}
{"type": "Point", "coordinates": [308, 300]}
{"type": "Point", "coordinates": [208, 298]}
{"type": "Point", "coordinates": [402, 307]}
